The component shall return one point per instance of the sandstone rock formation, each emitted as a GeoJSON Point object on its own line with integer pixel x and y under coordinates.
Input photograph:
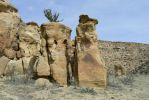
{"type": "Point", "coordinates": [56, 35]}
{"type": "Point", "coordinates": [91, 70]}
{"type": "Point", "coordinates": [29, 46]}
{"type": "Point", "coordinates": [3, 63]}
{"type": "Point", "coordinates": [9, 20]}
{"type": "Point", "coordinates": [47, 53]}
{"type": "Point", "coordinates": [29, 39]}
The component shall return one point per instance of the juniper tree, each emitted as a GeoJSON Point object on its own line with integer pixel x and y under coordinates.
{"type": "Point", "coordinates": [52, 16]}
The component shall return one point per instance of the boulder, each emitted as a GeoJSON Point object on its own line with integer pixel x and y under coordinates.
{"type": "Point", "coordinates": [42, 82]}
{"type": "Point", "coordinates": [10, 53]}
{"type": "Point", "coordinates": [25, 65]}
{"type": "Point", "coordinates": [14, 67]}
{"type": "Point", "coordinates": [43, 68]}
{"type": "Point", "coordinates": [3, 63]}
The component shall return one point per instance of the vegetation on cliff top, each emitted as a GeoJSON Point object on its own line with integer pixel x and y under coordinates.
{"type": "Point", "coordinates": [52, 16]}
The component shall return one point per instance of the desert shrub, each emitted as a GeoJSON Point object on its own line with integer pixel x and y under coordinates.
{"type": "Point", "coordinates": [144, 68]}
{"type": "Point", "coordinates": [128, 79]}
{"type": "Point", "coordinates": [52, 16]}
{"type": "Point", "coordinates": [90, 91]}
{"type": "Point", "coordinates": [10, 73]}
{"type": "Point", "coordinates": [120, 81]}
{"type": "Point", "coordinates": [113, 82]}
{"type": "Point", "coordinates": [18, 80]}
{"type": "Point", "coordinates": [14, 77]}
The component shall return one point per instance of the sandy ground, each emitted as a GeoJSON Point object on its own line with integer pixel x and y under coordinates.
{"type": "Point", "coordinates": [18, 90]}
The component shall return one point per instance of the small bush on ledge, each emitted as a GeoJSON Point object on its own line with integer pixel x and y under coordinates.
{"type": "Point", "coordinates": [52, 16]}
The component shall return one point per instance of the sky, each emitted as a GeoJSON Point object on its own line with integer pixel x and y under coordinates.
{"type": "Point", "coordinates": [119, 20]}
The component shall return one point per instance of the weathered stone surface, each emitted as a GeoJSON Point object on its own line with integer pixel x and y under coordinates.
{"type": "Point", "coordinates": [5, 5]}
{"type": "Point", "coordinates": [56, 35]}
{"type": "Point", "coordinates": [41, 82]}
{"type": "Point", "coordinates": [91, 69]}
{"type": "Point", "coordinates": [14, 67]}
{"type": "Point", "coordinates": [21, 66]}
{"type": "Point", "coordinates": [43, 68]}
{"type": "Point", "coordinates": [3, 63]}
{"type": "Point", "coordinates": [9, 20]}
{"type": "Point", "coordinates": [10, 53]}
{"type": "Point", "coordinates": [85, 18]}
{"type": "Point", "coordinates": [48, 52]}
{"type": "Point", "coordinates": [29, 40]}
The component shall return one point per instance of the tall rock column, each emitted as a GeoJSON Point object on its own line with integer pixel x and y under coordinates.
{"type": "Point", "coordinates": [57, 35]}
{"type": "Point", "coordinates": [91, 69]}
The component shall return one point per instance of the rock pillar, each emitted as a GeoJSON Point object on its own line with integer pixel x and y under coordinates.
{"type": "Point", "coordinates": [57, 35]}
{"type": "Point", "coordinates": [91, 69]}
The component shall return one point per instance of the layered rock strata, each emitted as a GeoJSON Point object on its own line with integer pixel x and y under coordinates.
{"type": "Point", "coordinates": [9, 23]}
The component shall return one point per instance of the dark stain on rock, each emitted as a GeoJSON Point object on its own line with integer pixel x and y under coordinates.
{"type": "Point", "coordinates": [88, 58]}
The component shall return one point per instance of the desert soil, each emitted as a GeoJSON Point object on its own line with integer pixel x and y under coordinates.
{"type": "Point", "coordinates": [14, 89]}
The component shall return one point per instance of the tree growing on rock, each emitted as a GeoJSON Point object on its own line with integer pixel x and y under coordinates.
{"type": "Point", "coordinates": [52, 16]}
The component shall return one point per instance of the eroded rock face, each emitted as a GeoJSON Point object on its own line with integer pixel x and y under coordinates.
{"type": "Point", "coordinates": [29, 39]}
{"type": "Point", "coordinates": [5, 5]}
{"type": "Point", "coordinates": [48, 52]}
{"type": "Point", "coordinates": [3, 63]}
{"type": "Point", "coordinates": [43, 68]}
{"type": "Point", "coordinates": [56, 36]}
{"type": "Point", "coordinates": [9, 22]}
{"type": "Point", "coordinates": [91, 69]}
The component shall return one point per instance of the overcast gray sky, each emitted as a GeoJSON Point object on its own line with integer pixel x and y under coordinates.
{"type": "Point", "coordinates": [119, 20]}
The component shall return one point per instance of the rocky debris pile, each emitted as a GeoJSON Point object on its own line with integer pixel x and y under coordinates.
{"type": "Point", "coordinates": [48, 52]}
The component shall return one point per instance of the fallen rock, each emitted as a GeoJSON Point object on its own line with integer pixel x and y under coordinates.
{"type": "Point", "coordinates": [43, 68]}
{"type": "Point", "coordinates": [3, 64]}
{"type": "Point", "coordinates": [42, 82]}
{"type": "Point", "coordinates": [14, 67]}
